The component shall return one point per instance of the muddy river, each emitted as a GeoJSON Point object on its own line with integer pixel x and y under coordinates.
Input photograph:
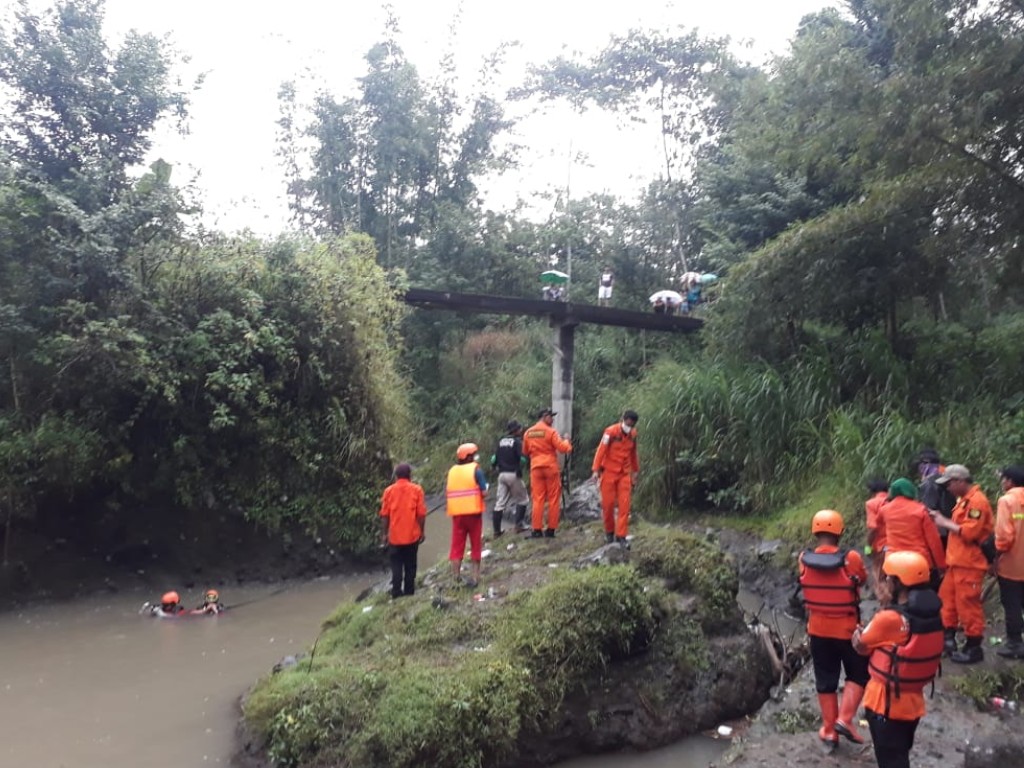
{"type": "Point", "coordinates": [91, 684]}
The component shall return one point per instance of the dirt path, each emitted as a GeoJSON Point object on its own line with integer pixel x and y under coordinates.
{"type": "Point", "coordinates": [784, 733]}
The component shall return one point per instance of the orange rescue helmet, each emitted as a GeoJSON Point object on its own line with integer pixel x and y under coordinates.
{"type": "Point", "coordinates": [827, 521]}
{"type": "Point", "coordinates": [212, 596]}
{"type": "Point", "coordinates": [909, 567]}
{"type": "Point", "coordinates": [466, 450]}
{"type": "Point", "coordinates": [170, 598]}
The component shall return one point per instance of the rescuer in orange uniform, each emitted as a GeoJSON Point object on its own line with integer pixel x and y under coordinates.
{"type": "Point", "coordinates": [542, 444]}
{"type": "Point", "coordinates": [879, 490]}
{"type": "Point", "coordinates": [830, 578]}
{"type": "Point", "coordinates": [464, 493]}
{"type": "Point", "coordinates": [616, 465]}
{"type": "Point", "coordinates": [403, 515]}
{"type": "Point", "coordinates": [1009, 543]}
{"type": "Point", "coordinates": [909, 527]}
{"type": "Point", "coordinates": [972, 522]}
{"type": "Point", "coordinates": [904, 644]}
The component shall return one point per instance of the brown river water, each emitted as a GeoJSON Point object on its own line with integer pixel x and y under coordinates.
{"type": "Point", "coordinates": [91, 684]}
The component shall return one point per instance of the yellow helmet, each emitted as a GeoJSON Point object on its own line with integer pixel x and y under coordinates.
{"type": "Point", "coordinates": [827, 521]}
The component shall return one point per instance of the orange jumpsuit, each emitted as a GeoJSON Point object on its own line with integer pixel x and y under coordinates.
{"type": "Point", "coordinates": [616, 461]}
{"type": "Point", "coordinates": [542, 444]}
{"type": "Point", "coordinates": [1010, 534]}
{"type": "Point", "coordinates": [961, 588]}
{"type": "Point", "coordinates": [876, 535]}
{"type": "Point", "coordinates": [909, 528]}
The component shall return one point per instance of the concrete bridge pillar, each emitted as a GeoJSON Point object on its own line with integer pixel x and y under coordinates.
{"type": "Point", "coordinates": [564, 348]}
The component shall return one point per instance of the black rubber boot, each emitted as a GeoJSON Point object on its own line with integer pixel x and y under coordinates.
{"type": "Point", "coordinates": [549, 533]}
{"type": "Point", "coordinates": [496, 516]}
{"type": "Point", "coordinates": [949, 644]}
{"type": "Point", "coordinates": [609, 537]}
{"type": "Point", "coordinates": [1013, 648]}
{"type": "Point", "coordinates": [520, 518]}
{"type": "Point", "coordinates": [971, 654]}
{"type": "Point", "coordinates": [537, 533]}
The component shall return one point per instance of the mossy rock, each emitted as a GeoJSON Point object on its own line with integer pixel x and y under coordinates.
{"type": "Point", "coordinates": [571, 661]}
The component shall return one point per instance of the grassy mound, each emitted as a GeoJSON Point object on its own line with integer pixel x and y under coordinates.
{"type": "Point", "coordinates": [443, 679]}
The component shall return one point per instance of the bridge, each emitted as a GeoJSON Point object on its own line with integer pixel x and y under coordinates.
{"type": "Point", "coordinates": [563, 317]}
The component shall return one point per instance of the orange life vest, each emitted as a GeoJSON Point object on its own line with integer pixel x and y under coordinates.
{"type": "Point", "coordinates": [908, 668]}
{"type": "Point", "coordinates": [828, 588]}
{"type": "Point", "coordinates": [463, 493]}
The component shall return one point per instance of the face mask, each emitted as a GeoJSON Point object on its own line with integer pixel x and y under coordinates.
{"type": "Point", "coordinates": [626, 429]}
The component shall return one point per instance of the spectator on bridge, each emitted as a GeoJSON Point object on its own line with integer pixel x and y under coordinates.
{"type": "Point", "coordinates": [604, 287]}
{"type": "Point", "coordinates": [692, 297]}
{"type": "Point", "coordinates": [659, 306]}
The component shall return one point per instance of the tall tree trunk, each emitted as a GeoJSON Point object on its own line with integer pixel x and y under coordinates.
{"type": "Point", "coordinates": [10, 491]}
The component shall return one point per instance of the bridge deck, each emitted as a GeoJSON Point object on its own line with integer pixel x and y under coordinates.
{"type": "Point", "coordinates": [559, 312]}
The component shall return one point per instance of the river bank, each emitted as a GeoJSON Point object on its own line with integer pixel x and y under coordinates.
{"type": "Point", "coordinates": [958, 729]}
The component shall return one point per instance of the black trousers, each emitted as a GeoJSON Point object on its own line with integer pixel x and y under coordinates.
{"type": "Point", "coordinates": [403, 568]}
{"type": "Point", "coordinates": [893, 740]}
{"type": "Point", "coordinates": [828, 655]}
{"type": "Point", "coordinates": [1011, 595]}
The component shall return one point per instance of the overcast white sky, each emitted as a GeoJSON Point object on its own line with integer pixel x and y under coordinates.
{"type": "Point", "coordinates": [247, 49]}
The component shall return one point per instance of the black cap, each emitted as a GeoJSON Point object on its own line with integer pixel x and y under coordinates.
{"type": "Point", "coordinates": [513, 426]}
{"type": "Point", "coordinates": [546, 412]}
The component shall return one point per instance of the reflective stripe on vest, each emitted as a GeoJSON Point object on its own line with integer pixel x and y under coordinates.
{"type": "Point", "coordinates": [828, 588]}
{"type": "Point", "coordinates": [463, 494]}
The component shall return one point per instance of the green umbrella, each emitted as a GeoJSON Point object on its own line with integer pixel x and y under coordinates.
{"type": "Point", "coordinates": [554, 277]}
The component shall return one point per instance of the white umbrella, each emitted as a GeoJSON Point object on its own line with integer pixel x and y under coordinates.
{"type": "Point", "coordinates": [674, 296]}
{"type": "Point", "coordinates": [689, 278]}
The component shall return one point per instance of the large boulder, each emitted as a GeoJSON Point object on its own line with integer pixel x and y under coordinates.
{"type": "Point", "coordinates": [567, 647]}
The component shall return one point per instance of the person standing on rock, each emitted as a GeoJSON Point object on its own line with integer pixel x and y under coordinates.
{"type": "Point", "coordinates": [465, 498]}
{"type": "Point", "coordinates": [1010, 560]}
{"type": "Point", "coordinates": [830, 578]}
{"type": "Point", "coordinates": [403, 514]}
{"type": "Point", "coordinates": [909, 527]}
{"type": "Point", "coordinates": [542, 444]}
{"type": "Point", "coordinates": [616, 465]}
{"type": "Point", "coordinates": [508, 460]}
{"type": "Point", "coordinates": [903, 643]}
{"type": "Point", "coordinates": [970, 525]}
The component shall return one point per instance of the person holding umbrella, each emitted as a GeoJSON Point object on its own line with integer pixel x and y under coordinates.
{"type": "Point", "coordinates": [555, 283]}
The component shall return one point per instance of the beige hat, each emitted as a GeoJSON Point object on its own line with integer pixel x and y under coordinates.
{"type": "Point", "coordinates": [954, 472]}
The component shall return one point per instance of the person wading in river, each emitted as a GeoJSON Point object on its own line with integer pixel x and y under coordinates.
{"type": "Point", "coordinates": [403, 514]}
{"type": "Point", "coordinates": [465, 496]}
{"type": "Point", "coordinates": [211, 604]}
{"type": "Point", "coordinates": [830, 578]}
{"type": "Point", "coordinates": [904, 645]}
{"type": "Point", "coordinates": [616, 465]}
{"type": "Point", "coordinates": [542, 444]}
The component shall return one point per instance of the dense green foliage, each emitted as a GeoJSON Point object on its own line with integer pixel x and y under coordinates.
{"type": "Point", "coordinates": [860, 193]}
{"type": "Point", "coordinates": [151, 381]}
